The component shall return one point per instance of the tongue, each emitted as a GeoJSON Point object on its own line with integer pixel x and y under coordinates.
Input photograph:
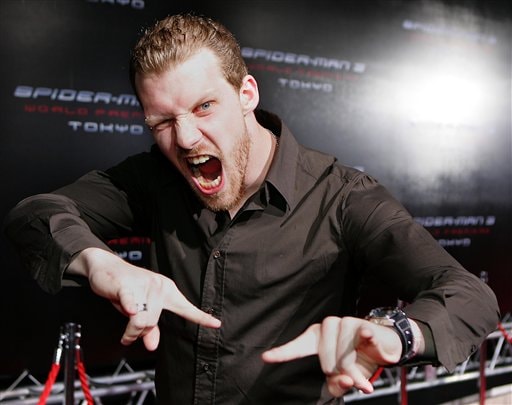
{"type": "Point", "coordinates": [211, 168]}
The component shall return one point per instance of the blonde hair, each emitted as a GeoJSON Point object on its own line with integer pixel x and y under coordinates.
{"type": "Point", "coordinates": [176, 38]}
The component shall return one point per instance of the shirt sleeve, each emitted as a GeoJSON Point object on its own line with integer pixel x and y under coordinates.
{"type": "Point", "coordinates": [390, 247]}
{"type": "Point", "coordinates": [48, 230]}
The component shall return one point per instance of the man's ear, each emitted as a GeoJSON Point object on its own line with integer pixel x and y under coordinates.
{"type": "Point", "coordinates": [249, 95]}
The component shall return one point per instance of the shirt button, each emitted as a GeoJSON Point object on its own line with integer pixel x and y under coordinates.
{"type": "Point", "coordinates": [216, 254]}
{"type": "Point", "coordinates": [206, 367]}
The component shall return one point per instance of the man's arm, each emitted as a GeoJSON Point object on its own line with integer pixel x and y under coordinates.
{"type": "Point", "coordinates": [138, 293]}
{"type": "Point", "coordinates": [453, 307]}
{"type": "Point", "coordinates": [401, 257]}
{"type": "Point", "coordinates": [64, 233]}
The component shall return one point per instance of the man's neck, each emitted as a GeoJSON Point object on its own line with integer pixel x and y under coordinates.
{"type": "Point", "coordinates": [263, 148]}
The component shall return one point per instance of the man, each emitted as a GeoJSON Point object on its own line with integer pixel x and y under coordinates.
{"type": "Point", "coordinates": [258, 242]}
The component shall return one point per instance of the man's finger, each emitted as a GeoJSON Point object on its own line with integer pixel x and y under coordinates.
{"type": "Point", "coordinates": [132, 331]}
{"type": "Point", "coordinates": [177, 303]}
{"type": "Point", "coordinates": [142, 325]}
{"type": "Point", "coordinates": [126, 301]}
{"type": "Point", "coordinates": [152, 338]}
{"type": "Point", "coordinates": [302, 346]}
{"type": "Point", "coordinates": [358, 380]}
{"type": "Point", "coordinates": [339, 384]}
{"type": "Point", "coordinates": [329, 344]}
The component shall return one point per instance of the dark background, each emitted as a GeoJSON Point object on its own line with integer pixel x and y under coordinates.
{"type": "Point", "coordinates": [416, 93]}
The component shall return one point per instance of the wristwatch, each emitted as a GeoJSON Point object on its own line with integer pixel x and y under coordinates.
{"type": "Point", "coordinates": [396, 318]}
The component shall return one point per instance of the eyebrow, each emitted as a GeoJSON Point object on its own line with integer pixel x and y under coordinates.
{"type": "Point", "coordinates": [151, 121]}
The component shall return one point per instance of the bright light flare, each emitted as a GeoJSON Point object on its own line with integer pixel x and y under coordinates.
{"type": "Point", "coordinates": [446, 100]}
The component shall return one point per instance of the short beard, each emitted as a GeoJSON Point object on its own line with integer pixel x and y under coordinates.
{"type": "Point", "coordinates": [231, 198]}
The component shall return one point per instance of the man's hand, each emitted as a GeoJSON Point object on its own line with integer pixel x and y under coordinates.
{"type": "Point", "coordinates": [350, 351]}
{"type": "Point", "coordinates": [138, 293]}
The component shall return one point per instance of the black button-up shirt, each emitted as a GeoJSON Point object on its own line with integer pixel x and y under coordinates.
{"type": "Point", "coordinates": [295, 253]}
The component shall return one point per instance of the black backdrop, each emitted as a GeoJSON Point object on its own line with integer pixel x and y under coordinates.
{"type": "Point", "coordinates": [417, 93]}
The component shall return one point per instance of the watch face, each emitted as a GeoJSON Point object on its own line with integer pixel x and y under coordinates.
{"type": "Point", "coordinates": [385, 321]}
{"type": "Point", "coordinates": [384, 312]}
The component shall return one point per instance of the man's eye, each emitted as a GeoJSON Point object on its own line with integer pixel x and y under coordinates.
{"type": "Point", "coordinates": [162, 125]}
{"type": "Point", "coordinates": [206, 106]}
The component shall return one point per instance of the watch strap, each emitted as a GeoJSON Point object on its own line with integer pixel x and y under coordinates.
{"type": "Point", "coordinates": [404, 329]}
{"type": "Point", "coordinates": [397, 319]}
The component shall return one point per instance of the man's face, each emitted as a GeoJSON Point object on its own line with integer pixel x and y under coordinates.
{"type": "Point", "coordinates": [198, 123]}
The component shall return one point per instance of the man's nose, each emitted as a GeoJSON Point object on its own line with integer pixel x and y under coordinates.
{"type": "Point", "coordinates": [188, 134]}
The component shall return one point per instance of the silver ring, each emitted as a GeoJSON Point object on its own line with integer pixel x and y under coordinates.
{"type": "Point", "coordinates": [142, 307]}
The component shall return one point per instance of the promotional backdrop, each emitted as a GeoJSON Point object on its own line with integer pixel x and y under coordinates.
{"type": "Point", "coordinates": [416, 93]}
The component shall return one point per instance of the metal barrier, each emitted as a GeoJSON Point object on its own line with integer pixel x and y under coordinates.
{"type": "Point", "coordinates": [493, 358]}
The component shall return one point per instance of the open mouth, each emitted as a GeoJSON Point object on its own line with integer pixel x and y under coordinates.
{"type": "Point", "coordinates": [207, 172]}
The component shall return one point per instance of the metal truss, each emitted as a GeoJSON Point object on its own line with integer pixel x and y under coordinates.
{"type": "Point", "coordinates": [496, 360]}
{"type": "Point", "coordinates": [138, 386]}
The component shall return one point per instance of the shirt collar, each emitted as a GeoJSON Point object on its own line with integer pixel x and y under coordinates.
{"type": "Point", "coordinates": [281, 178]}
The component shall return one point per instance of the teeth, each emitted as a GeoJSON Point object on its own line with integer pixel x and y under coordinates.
{"type": "Point", "coordinates": [208, 184]}
{"type": "Point", "coordinates": [205, 183]}
{"type": "Point", "coordinates": [199, 159]}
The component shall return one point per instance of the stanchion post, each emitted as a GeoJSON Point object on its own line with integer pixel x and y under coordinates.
{"type": "Point", "coordinates": [72, 336]}
{"type": "Point", "coordinates": [404, 400]}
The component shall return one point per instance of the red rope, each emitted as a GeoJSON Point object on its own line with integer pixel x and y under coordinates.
{"type": "Point", "coordinates": [505, 333]}
{"type": "Point", "coordinates": [52, 375]}
{"type": "Point", "coordinates": [83, 379]}
{"type": "Point", "coordinates": [376, 375]}
{"type": "Point", "coordinates": [507, 336]}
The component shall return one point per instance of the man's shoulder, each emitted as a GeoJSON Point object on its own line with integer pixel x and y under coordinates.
{"type": "Point", "coordinates": [318, 164]}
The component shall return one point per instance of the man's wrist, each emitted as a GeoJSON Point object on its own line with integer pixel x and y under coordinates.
{"type": "Point", "coordinates": [396, 319]}
{"type": "Point", "coordinates": [84, 261]}
{"type": "Point", "coordinates": [418, 338]}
